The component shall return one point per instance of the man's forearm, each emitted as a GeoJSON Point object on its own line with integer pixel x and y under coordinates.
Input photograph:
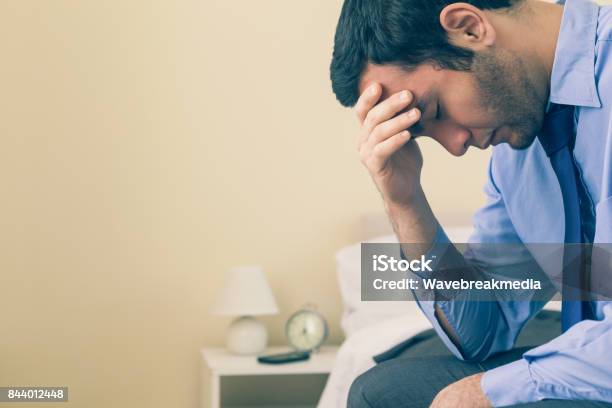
{"type": "Point", "coordinates": [415, 227]}
{"type": "Point", "coordinates": [414, 224]}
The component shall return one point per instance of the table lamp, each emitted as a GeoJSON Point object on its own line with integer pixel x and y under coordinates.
{"type": "Point", "coordinates": [246, 294]}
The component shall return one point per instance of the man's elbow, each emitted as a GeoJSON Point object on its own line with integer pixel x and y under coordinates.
{"type": "Point", "coordinates": [475, 351]}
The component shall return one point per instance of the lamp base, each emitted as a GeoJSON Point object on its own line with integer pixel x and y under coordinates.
{"type": "Point", "coordinates": [246, 336]}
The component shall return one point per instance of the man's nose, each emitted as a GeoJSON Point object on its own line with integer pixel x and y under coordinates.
{"type": "Point", "coordinates": [457, 140]}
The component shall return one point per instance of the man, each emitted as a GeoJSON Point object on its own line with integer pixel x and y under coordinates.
{"type": "Point", "coordinates": [489, 73]}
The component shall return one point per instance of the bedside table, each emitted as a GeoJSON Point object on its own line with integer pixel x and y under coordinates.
{"type": "Point", "coordinates": [236, 381]}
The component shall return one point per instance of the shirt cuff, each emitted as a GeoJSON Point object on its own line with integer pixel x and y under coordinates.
{"type": "Point", "coordinates": [439, 246]}
{"type": "Point", "coordinates": [440, 237]}
{"type": "Point", "coordinates": [509, 384]}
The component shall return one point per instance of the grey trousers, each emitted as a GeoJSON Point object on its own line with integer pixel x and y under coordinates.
{"type": "Point", "coordinates": [411, 374]}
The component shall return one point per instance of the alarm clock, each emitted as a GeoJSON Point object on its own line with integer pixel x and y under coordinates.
{"type": "Point", "coordinates": [306, 329]}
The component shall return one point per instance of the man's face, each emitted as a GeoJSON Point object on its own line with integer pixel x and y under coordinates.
{"type": "Point", "coordinates": [494, 103]}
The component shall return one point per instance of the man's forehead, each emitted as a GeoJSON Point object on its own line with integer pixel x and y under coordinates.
{"type": "Point", "coordinates": [394, 79]}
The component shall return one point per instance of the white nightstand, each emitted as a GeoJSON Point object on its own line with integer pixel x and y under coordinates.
{"type": "Point", "coordinates": [235, 381]}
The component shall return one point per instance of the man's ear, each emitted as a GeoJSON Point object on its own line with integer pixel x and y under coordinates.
{"type": "Point", "coordinates": [467, 26]}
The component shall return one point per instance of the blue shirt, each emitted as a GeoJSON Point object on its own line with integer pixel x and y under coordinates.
{"type": "Point", "coordinates": [524, 205]}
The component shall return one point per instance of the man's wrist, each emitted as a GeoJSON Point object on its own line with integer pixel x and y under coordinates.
{"type": "Point", "coordinates": [412, 220]}
{"type": "Point", "coordinates": [412, 203]}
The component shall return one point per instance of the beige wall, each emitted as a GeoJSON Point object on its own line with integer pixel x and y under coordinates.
{"type": "Point", "coordinates": [148, 146]}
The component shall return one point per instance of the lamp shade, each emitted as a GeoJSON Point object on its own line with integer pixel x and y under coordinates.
{"type": "Point", "coordinates": [245, 293]}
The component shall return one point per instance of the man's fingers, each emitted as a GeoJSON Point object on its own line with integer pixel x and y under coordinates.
{"type": "Point", "coordinates": [393, 126]}
{"type": "Point", "coordinates": [384, 150]}
{"type": "Point", "coordinates": [383, 111]}
{"type": "Point", "coordinates": [386, 110]}
{"type": "Point", "coordinates": [367, 100]}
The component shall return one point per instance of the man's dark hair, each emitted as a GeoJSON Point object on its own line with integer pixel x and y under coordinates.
{"type": "Point", "coordinates": [405, 33]}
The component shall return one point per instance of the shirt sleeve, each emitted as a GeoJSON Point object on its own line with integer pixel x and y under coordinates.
{"type": "Point", "coordinates": [573, 366]}
{"type": "Point", "coordinates": [484, 328]}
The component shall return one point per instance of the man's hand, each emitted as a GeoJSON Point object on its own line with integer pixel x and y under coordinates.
{"type": "Point", "coordinates": [465, 393]}
{"type": "Point", "coordinates": [393, 160]}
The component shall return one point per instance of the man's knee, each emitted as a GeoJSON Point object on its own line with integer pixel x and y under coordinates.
{"type": "Point", "coordinates": [406, 382]}
{"type": "Point", "coordinates": [387, 384]}
{"type": "Point", "coordinates": [365, 388]}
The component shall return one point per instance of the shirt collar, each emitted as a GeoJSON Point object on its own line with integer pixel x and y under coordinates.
{"type": "Point", "coordinates": [573, 73]}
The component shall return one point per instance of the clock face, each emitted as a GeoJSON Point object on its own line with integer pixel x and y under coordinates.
{"type": "Point", "coordinates": [306, 330]}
